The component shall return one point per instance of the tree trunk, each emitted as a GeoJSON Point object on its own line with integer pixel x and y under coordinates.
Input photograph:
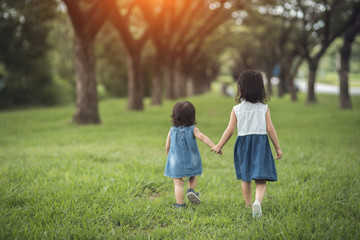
{"type": "Point", "coordinates": [190, 86]}
{"type": "Point", "coordinates": [281, 85]}
{"type": "Point", "coordinates": [345, 54]}
{"type": "Point", "coordinates": [345, 100]}
{"type": "Point", "coordinates": [170, 94]}
{"type": "Point", "coordinates": [292, 89]}
{"type": "Point", "coordinates": [177, 83]}
{"type": "Point", "coordinates": [205, 86]}
{"type": "Point", "coordinates": [313, 66]}
{"type": "Point", "coordinates": [157, 85]}
{"type": "Point", "coordinates": [268, 75]}
{"type": "Point", "coordinates": [135, 83]}
{"type": "Point", "coordinates": [86, 92]}
{"type": "Point", "coordinates": [180, 81]}
{"type": "Point", "coordinates": [289, 80]}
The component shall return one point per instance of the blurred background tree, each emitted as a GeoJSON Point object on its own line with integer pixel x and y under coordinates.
{"type": "Point", "coordinates": [322, 23]}
{"type": "Point", "coordinates": [348, 38]}
{"type": "Point", "coordinates": [61, 56]}
{"type": "Point", "coordinates": [24, 66]}
{"type": "Point", "coordinates": [87, 17]}
{"type": "Point", "coordinates": [111, 63]}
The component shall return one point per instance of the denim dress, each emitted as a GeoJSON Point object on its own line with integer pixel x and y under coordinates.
{"type": "Point", "coordinates": [252, 153]}
{"type": "Point", "coordinates": [184, 158]}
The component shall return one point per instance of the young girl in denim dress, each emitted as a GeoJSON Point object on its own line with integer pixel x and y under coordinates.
{"type": "Point", "coordinates": [183, 157]}
{"type": "Point", "coordinates": [252, 153]}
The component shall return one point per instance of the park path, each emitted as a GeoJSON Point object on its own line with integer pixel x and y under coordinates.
{"type": "Point", "coordinates": [326, 88]}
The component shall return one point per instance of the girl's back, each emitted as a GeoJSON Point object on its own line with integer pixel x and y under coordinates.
{"type": "Point", "coordinates": [183, 158]}
{"type": "Point", "coordinates": [250, 118]}
{"type": "Point", "coordinates": [253, 159]}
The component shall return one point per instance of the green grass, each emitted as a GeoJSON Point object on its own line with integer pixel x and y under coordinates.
{"type": "Point", "coordinates": [62, 181]}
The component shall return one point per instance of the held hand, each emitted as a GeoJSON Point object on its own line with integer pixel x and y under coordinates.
{"type": "Point", "coordinates": [279, 153]}
{"type": "Point", "coordinates": [216, 149]}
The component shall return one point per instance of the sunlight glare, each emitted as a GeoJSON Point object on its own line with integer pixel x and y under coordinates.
{"type": "Point", "coordinates": [215, 5]}
{"type": "Point", "coordinates": [227, 5]}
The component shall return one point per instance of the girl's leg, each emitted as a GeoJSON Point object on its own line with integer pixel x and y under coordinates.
{"type": "Point", "coordinates": [179, 192]}
{"type": "Point", "coordinates": [192, 182]}
{"type": "Point", "coordinates": [260, 189]}
{"type": "Point", "coordinates": [191, 194]}
{"type": "Point", "coordinates": [246, 189]}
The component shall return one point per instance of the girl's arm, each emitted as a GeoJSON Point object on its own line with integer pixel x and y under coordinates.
{"type": "Point", "coordinates": [272, 134]}
{"type": "Point", "coordinates": [227, 133]}
{"type": "Point", "coordinates": [167, 146]}
{"type": "Point", "coordinates": [202, 137]}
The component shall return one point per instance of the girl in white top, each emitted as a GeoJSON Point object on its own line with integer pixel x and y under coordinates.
{"type": "Point", "coordinates": [252, 153]}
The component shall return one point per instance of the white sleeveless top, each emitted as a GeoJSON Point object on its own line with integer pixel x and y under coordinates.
{"type": "Point", "coordinates": [250, 118]}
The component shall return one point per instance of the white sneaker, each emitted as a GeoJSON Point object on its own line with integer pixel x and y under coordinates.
{"type": "Point", "coordinates": [256, 209]}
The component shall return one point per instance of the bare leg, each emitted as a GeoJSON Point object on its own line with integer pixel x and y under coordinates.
{"type": "Point", "coordinates": [260, 189]}
{"type": "Point", "coordinates": [179, 192]}
{"type": "Point", "coordinates": [191, 195]}
{"type": "Point", "coordinates": [192, 182]}
{"type": "Point", "coordinates": [246, 189]}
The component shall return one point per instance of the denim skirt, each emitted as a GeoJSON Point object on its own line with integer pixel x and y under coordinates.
{"type": "Point", "coordinates": [253, 158]}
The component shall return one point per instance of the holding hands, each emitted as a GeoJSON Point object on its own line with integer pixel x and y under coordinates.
{"type": "Point", "coordinates": [216, 149]}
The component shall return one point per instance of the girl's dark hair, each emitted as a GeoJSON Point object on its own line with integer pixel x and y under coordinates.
{"type": "Point", "coordinates": [251, 87]}
{"type": "Point", "coordinates": [183, 114]}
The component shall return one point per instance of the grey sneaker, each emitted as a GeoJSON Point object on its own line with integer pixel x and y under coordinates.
{"type": "Point", "coordinates": [193, 196]}
{"type": "Point", "coordinates": [256, 209]}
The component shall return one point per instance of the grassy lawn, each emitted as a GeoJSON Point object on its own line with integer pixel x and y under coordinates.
{"type": "Point", "coordinates": [62, 181]}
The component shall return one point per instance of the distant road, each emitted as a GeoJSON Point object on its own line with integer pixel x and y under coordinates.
{"type": "Point", "coordinates": [326, 88]}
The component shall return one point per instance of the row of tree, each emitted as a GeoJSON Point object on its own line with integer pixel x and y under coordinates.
{"type": "Point", "coordinates": [178, 31]}
{"type": "Point", "coordinates": [289, 32]}
{"type": "Point", "coordinates": [292, 32]}
{"type": "Point", "coordinates": [175, 43]}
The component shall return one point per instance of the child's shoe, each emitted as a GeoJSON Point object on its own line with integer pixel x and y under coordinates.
{"type": "Point", "coordinates": [193, 196]}
{"type": "Point", "coordinates": [256, 209]}
{"type": "Point", "coordinates": [176, 205]}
